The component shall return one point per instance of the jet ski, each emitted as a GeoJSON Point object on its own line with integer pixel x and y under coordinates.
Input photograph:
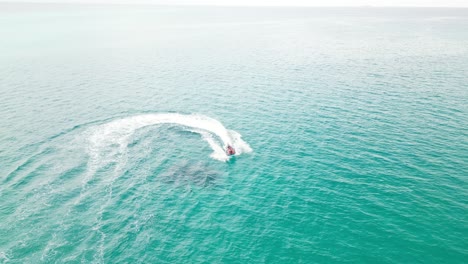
{"type": "Point", "coordinates": [230, 150]}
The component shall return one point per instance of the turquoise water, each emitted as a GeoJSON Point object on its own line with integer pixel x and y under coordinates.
{"type": "Point", "coordinates": [351, 126]}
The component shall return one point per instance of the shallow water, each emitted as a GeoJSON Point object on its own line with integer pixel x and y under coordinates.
{"type": "Point", "coordinates": [353, 121]}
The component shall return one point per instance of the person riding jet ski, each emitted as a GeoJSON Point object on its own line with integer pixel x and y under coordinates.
{"type": "Point", "coordinates": [230, 150]}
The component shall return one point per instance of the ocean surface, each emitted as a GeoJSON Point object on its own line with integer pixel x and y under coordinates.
{"type": "Point", "coordinates": [350, 125]}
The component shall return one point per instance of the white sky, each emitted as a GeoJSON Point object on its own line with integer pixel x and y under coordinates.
{"type": "Point", "coordinates": [435, 3]}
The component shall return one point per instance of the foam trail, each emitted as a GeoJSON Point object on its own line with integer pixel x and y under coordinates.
{"type": "Point", "coordinates": [109, 140]}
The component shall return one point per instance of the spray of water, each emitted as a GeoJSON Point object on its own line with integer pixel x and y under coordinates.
{"type": "Point", "coordinates": [109, 140]}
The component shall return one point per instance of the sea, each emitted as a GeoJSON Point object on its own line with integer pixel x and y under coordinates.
{"type": "Point", "coordinates": [350, 127]}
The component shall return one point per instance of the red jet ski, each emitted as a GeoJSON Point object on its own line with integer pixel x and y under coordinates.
{"type": "Point", "coordinates": [230, 151]}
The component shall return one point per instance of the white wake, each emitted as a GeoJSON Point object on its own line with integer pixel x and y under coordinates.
{"type": "Point", "coordinates": [111, 139]}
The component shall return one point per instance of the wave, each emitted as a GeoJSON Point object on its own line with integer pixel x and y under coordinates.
{"type": "Point", "coordinates": [106, 141]}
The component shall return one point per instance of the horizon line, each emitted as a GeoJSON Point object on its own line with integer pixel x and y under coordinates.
{"type": "Point", "coordinates": [220, 5]}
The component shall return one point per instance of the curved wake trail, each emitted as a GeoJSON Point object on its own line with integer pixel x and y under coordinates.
{"type": "Point", "coordinates": [109, 140]}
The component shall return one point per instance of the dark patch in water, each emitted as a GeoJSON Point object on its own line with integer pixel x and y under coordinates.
{"type": "Point", "coordinates": [186, 172]}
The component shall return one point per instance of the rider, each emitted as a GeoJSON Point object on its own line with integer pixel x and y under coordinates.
{"type": "Point", "coordinates": [230, 150]}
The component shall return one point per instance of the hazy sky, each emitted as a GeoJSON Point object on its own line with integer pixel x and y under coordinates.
{"type": "Point", "coordinates": [453, 3]}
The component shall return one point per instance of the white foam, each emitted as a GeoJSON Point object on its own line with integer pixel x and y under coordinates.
{"type": "Point", "coordinates": [3, 257]}
{"type": "Point", "coordinates": [109, 140]}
